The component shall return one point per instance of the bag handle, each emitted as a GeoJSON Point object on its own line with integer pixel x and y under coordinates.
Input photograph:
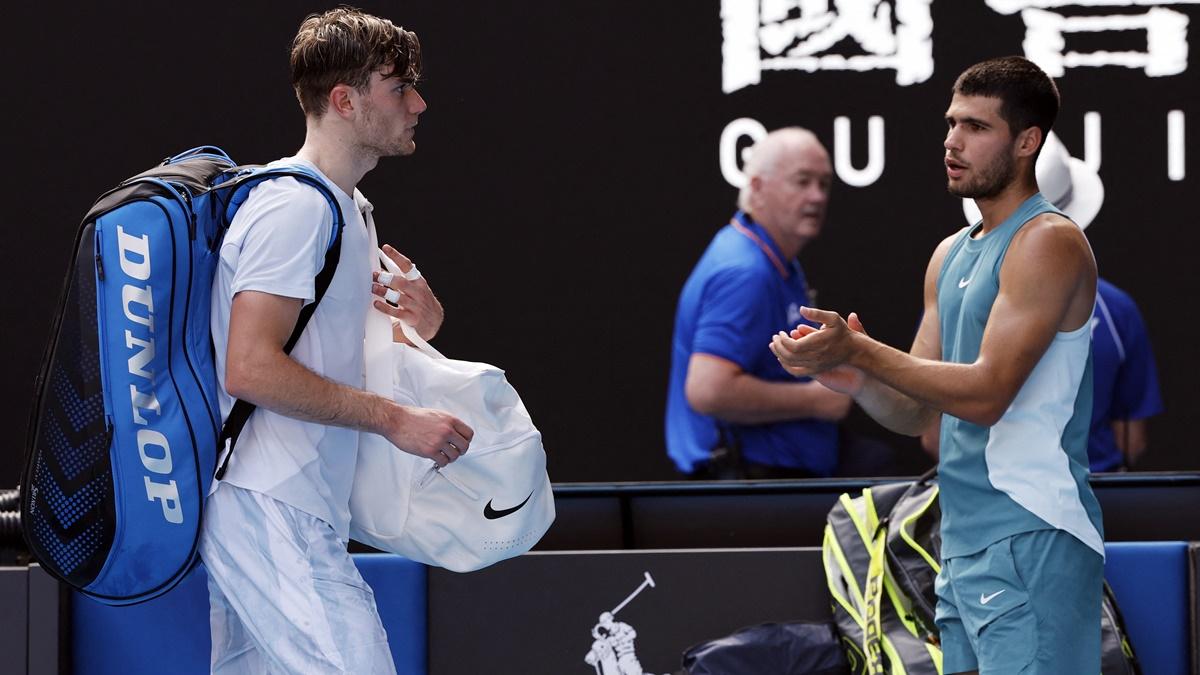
{"type": "Point", "coordinates": [409, 332]}
{"type": "Point", "coordinates": [379, 363]}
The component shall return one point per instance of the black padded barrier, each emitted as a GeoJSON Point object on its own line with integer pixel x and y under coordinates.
{"type": "Point", "coordinates": [14, 624]}
{"type": "Point", "coordinates": [32, 623]}
{"type": "Point", "coordinates": [786, 513]}
{"type": "Point", "coordinates": [540, 613]}
{"type": "Point", "coordinates": [49, 623]}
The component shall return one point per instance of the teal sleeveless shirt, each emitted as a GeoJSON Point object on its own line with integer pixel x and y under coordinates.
{"type": "Point", "coordinates": [1028, 471]}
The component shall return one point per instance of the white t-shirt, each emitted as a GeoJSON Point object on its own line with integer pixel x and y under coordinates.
{"type": "Point", "coordinates": [276, 244]}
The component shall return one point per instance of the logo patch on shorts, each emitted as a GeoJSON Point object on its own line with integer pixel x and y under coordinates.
{"type": "Point", "coordinates": [985, 599]}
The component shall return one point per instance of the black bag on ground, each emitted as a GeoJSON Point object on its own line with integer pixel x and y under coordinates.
{"type": "Point", "coordinates": [794, 648]}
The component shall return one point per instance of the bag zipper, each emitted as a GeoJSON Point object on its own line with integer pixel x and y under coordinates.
{"type": "Point", "coordinates": [100, 338]}
{"type": "Point", "coordinates": [436, 470]}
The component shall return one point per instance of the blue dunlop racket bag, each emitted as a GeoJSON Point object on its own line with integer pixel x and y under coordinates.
{"type": "Point", "coordinates": [123, 438]}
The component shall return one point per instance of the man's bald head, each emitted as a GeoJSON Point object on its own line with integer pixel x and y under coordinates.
{"type": "Point", "coordinates": [766, 155]}
{"type": "Point", "coordinates": [787, 188]}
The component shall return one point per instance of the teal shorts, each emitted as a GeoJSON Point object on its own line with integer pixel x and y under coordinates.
{"type": "Point", "coordinates": [1027, 604]}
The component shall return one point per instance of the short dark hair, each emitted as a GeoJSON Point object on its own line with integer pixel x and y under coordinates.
{"type": "Point", "coordinates": [344, 46]}
{"type": "Point", "coordinates": [1027, 94]}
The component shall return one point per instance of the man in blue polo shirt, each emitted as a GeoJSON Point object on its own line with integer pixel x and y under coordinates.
{"type": "Point", "coordinates": [732, 410]}
{"type": "Point", "coordinates": [1128, 393]}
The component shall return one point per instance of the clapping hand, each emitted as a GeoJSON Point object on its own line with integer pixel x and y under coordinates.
{"type": "Point", "coordinates": [842, 378]}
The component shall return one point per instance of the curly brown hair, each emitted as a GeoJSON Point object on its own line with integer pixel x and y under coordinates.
{"type": "Point", "coordinates": [344, 46]}
{"type": "Point", "coordinates": [1028, 96]}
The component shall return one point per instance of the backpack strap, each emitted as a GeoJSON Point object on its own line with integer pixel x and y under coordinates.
{"type": "Point", "coordinates": [237, 189]}
{"type": "Point", "coordinates": [875, 644]}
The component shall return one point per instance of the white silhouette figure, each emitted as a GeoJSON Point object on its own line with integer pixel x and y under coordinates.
{"type": "Point", "coordinates": [612, 651]}
{"type": "Point", "coordinates": [603, 655]}
{"type": "Point", "coordinates": [1046, 34]}
{"type": "Point", "coordinates": [798, 34]}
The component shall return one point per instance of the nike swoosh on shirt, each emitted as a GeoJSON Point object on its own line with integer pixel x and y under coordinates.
{"type": "Point", "coordinates": [985, 599]}
{"type": "Point", "coordinates": [962, 283]}
{"type": "Point", "coordinates": [492, 514]}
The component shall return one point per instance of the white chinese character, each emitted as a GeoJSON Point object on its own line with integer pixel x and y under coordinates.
{"type": "Point", "coordinates": [1045, 34]}
{"type": "Point", "coordinates": [799, 34]}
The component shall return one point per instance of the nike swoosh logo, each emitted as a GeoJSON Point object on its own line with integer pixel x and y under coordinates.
{"type": "Point", "coordinates": [962, 283]}
{"type": "Point", "coordinates": [985, 599]}
{"type": "Point", "coordinates": [492, 514]}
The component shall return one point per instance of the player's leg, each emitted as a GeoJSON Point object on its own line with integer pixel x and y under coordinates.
{"type": "Point", "coordinates": [289, 580]}
{"type": "Point", "coordinates": [958, 654]}
{"type": "Point", "coordinates": [1066, 581]}
{"type": "Point", "coordinates": [233, 649]}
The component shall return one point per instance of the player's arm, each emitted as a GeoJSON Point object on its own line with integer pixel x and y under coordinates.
{"type": "Point", "coordinates": [733, 319]}
{"type": "Point", "coordinates": [258, 370]}
{"type": "Point", "coordinates": [1136, 389]}
{"type": "Point", "coordinates": [931, 441]}
{"type": "Point", "coordinates": [720, 388]}
{"type": "Point", "coordinates": [1132, 438]}
{"type": "Point", "coordinates": [897, 411]}
{"type": "Point", "coordinates": [1047, 284]}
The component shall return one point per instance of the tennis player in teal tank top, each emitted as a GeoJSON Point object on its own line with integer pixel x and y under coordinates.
{"type": "Point", "coordinates": [1003, 359]}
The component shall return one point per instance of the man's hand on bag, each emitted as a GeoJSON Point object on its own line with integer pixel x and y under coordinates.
{"type": "Point", "coordinates": [428, 433]}
{"type": "Point", "coordinates": [413, 301]}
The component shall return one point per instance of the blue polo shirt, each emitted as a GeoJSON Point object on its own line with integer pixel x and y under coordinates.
{"type": "Point", "coordinates": [730, 306]}
{"type": "Point", "coordinates": [1126, 386]}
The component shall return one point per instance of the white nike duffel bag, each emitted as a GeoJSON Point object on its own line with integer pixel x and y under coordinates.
{"type": "Point", "coordinates": [493, 503]}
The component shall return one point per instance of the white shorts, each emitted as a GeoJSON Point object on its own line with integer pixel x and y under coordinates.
{"type": "Point", "coordinates": [285, 596]}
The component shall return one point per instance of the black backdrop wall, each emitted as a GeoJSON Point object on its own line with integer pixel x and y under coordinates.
{"type": "Point", "coordinates": [569, 169]}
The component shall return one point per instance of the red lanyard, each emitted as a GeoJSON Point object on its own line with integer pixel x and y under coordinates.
{"type": "Point", "coordinates": [783, 270]}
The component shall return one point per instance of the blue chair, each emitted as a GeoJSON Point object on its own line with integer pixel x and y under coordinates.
{"type": "Point", "coordinates": [1150, 580]}
{"type": "Point", "coordinates": [170, 633]}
